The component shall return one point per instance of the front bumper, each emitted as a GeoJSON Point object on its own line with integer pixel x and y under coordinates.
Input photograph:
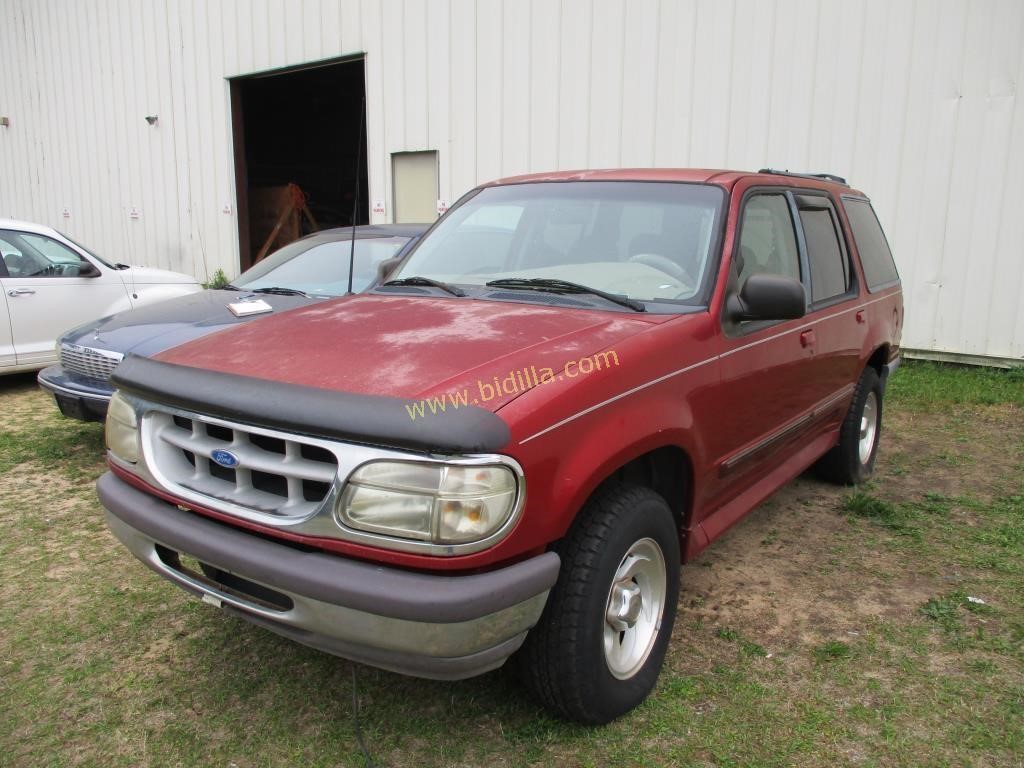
{"type": "Point", "coordinates": [77, 397]}
{"type": "Point", "coordinates": [443, 627]}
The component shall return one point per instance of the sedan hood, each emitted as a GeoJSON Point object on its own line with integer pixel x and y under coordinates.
{"type": "Point", "coordinates": [156, 327]}
{"type": "Point", "coordinates": [152, 276]}
{"type": "Point", "coordinates": [411, 347]}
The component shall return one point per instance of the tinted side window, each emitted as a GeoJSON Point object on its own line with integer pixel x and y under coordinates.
{"type": "Point", "coordinates": [875, 256]}
{"type": "Point", "coordinates": [830, 270]}
{"type": "Point", "coordinates": [767, 239]}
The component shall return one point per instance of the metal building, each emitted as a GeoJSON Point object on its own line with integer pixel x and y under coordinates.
{"type": "Point", "coordinates": [915, 102]}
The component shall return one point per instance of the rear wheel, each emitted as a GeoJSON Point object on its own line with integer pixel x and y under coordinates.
{"type": "Point", "coordinates": [852, 460]}
{"type": "Point", "coordinates": [597, 650]}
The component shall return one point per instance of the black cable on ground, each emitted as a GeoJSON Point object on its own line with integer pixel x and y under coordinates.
{"type": "Point", "coordinates": [368, 758]}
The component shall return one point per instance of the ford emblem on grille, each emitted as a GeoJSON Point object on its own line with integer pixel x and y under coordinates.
{"type": "Point", "coordinates": [224, 458]}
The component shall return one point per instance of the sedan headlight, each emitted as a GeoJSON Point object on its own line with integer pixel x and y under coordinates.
{"type": "Point", "coordinates": [438, 503]}
{"type": "Point", "coordinates": [122, 429]}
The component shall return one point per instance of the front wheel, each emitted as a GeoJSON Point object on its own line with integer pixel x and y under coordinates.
{"type": "Point", "coordinates": [852, 460]}
{"type": "Point", "coordinates": [597, 650]}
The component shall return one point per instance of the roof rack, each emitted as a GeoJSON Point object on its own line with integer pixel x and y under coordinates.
{"type": "Point", "coordinates": [825, 176]}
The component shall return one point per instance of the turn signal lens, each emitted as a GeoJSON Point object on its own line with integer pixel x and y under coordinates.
{"type": "Point", "coordinates": [122, 430]}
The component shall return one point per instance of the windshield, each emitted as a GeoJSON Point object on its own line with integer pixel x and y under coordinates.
{"type": "Point", "coordinates": [318, 265]}
{"type": "Point", "coordinates": [648, 241]}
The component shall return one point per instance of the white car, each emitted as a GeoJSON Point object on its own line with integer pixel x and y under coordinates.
{"type": "Point", "coordinates": [50, 284]}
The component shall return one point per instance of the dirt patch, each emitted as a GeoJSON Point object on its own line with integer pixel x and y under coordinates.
{"type": "Point", "coordinates": [794, 573]}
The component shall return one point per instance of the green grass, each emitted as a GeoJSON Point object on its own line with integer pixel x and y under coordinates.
{"type": "Point", "coordinates": [73, 446]}
{"type": "Point", "coordinates": [746, 647]}
{"type": "Point", "coordinates": [945, 611]}
{"type": "Point", "coordinates": [104, 664]}
{"type": "Point", "coordinates": [922, 385]}
{"type": "Point", "coordinates": [832, 650]}
{"type": "Point", "coordinates": [898, 518]}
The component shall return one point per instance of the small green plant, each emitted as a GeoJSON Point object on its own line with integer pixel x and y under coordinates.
{"type": "Point", "coordinates": [747, 648]}
{"type": "Point", "coordinates": [864, 504]}
{"type": "Point", "coordinates": [832, 650]}
{"type": "Point", "coordinates": [945, 610]}
{"type": "Point", "coordinates": [895, 518]}
{"type": "Point", "coordinates": [219, 280]}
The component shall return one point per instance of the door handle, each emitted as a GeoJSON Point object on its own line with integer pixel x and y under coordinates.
{"type": "Point", "coordinates": [808, 339]}
{"type": "Point", "coordinates": [20, 292]}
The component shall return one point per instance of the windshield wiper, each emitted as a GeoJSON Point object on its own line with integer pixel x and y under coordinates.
{"type": "Point", "coordinates": [563, 286]}
{"type": "Point", "coordinates": [281, 291]}
{"type": "Point", "coordinates": [229, 287]}
{"type": "Point", "coordinates": [120, 266]}
{"type": "Point", "coordinates": [418, 280]}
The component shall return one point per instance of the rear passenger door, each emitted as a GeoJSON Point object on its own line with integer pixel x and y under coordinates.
{"type": "Point", "coordinates": [835, 329]}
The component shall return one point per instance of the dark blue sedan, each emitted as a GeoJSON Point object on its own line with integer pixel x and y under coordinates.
{"type": "Point", "coordinates": [311, 269]}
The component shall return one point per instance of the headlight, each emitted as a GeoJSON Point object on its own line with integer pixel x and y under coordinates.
{"type": "Point", "coordinates": [122, 429]}
{"type": "Point", "coordinates": [439, 503]}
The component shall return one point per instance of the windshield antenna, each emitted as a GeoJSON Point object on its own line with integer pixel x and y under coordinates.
{"type": "Point", "coordinates": [355, 202]}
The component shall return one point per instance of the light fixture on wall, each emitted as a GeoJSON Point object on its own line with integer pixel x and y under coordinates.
{"type": "Point", "coordinates": [5, 122]}
{"type": "Point", "coordinates": [151, 119]}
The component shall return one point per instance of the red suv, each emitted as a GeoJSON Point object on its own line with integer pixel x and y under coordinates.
{"type": "Point", "coordinates": [573, 383]}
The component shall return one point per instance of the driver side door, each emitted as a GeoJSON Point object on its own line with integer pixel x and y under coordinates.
{"type": "Point", "coordinates": [767, 366]}
{"type": "Point", "coordinates": [45, 296]}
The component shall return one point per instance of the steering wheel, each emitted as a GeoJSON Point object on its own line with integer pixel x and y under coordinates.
{"type": "Point", "coordinates": [57, 270]}
{"type": "Point", "coordinates": [663, 264]}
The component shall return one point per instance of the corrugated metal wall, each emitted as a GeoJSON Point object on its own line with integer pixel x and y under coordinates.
{"type": "Point", "coordinates": [915, 102]}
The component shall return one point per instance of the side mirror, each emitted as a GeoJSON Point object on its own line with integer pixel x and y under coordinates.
{"type": "Point", "coordinates": [769, 297]}
{"type": "Point", "coordinates": [87, 269]}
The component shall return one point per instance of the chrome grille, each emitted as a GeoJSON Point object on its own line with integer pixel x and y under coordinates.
{"type": "Point", "coordinates": [281, 476]}
{"type": "Point", "coordinates": [86, 361]}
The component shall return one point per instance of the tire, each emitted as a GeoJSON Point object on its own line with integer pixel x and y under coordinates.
{"type": "Point", "coordinates": [574, 661]}
{"type": "Point", "coordinates": [852, 460]}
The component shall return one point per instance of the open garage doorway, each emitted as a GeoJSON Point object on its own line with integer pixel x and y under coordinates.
{"type": "Point", "coordinates": [300, 164]}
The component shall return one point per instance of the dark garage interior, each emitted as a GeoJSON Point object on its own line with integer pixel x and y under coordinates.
{"type": "Point", "coordinates": [299, 127]}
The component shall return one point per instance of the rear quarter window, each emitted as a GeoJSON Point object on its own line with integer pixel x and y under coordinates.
{"type": "Point", "coordinates": [875, 256]}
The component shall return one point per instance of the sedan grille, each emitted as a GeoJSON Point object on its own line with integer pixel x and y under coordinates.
{"type": "Point", "coordinates": [88, 362]}
{"type": "Point", "coordinates": [286, 477]}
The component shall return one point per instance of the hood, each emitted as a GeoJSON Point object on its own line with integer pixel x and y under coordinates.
{"type": "Point", "coordinates": [155, 327]}
{"type": "Point", "coordinates": [153, 276]}
{"type": "Point", "coordinates": [410, 347]}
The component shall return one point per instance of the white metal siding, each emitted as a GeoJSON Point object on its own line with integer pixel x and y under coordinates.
{"type": "Point", "coordinates": [915, 102]}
